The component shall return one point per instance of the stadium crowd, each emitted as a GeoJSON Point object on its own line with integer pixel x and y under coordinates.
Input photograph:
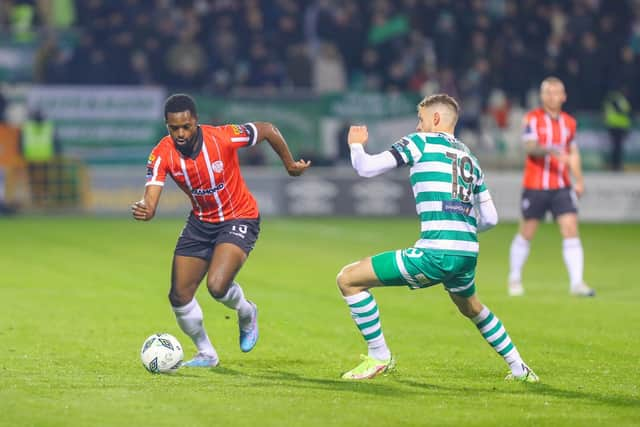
{"type": "Point", "coordinates": [463, 47]}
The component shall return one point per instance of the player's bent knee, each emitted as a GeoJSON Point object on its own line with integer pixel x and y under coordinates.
{"type": "Point", "coordinates": [345, 276]}
{"type": "Point", "coordinates": [569, 231]}
{"type": "Point", "coordinates": [342, 279]}
{"type": "Point", "coordinates": [178, 300]}
{"type": "Point", "coordinates": [218, 289]}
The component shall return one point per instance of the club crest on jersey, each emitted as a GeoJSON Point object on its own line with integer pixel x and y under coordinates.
{"type": "Point", "coordinates": [152, 158]}
{"type": "Point", "coordinates": [217, 166]}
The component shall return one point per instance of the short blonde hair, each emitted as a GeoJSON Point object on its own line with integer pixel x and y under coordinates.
{"type": "Point", "coordinates": [551, 80]}
{"type": "Point", "coordinates": [440, 98]}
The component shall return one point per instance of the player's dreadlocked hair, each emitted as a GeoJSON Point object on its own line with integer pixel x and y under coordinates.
{"type": "Point", "coordinates": [440, 98]}
{"type": "Point", "coordinates": [178, 103]}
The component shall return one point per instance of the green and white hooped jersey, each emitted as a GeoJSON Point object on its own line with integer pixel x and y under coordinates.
{"type": "Point", "coordinates": [446, 178]}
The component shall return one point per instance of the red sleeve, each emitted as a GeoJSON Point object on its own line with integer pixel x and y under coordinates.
{"type": "Point", "coordinates": [240, 135]}
{"type": "Point", "coordinates": [157, 166]}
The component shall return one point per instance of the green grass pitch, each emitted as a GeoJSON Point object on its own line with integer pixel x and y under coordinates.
{"type": "Point", "coordinates": [79, 295]}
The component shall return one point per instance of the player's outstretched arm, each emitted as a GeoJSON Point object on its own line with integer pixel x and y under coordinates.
{"type": "Point", "coordinates": [276, 140]}
{"type": "Point", "coordinates": [367, 165]}
{"type": "Point", "coordinates": [487, 212]}
{"type": "Point", "coordinates": [145, 209]}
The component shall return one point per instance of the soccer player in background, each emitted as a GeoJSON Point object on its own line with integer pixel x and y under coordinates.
{"type": "Point", "coordinates": [454, 204]}
{"type": "Point", "coordinates": [223, 226]}
{"type": "Point", "coordinates": [552, 154]}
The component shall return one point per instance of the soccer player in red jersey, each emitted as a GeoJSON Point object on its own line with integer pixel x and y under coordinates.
{"type": "Point", "coordinates": [552, 154]}
{"type": "Point", "coordinates": [224, 223]}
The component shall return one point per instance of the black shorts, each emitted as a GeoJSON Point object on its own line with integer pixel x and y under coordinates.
{"type": "Point", "coordinates": [199, 238]}
{"type": "Point", "coordinates": [536, 203]}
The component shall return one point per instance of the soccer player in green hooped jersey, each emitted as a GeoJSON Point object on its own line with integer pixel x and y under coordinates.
{"type": "Point", "coordinates": [454, 204]}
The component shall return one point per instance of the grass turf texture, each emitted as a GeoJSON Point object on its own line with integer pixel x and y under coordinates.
{"type": "Point", "coordinates": [80, 295]}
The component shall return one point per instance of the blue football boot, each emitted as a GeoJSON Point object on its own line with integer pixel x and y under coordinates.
{"type": "Point", "coordinates": [249, 334]}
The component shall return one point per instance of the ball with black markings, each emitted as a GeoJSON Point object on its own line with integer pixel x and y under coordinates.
{"type": "Point", "coordinates": [161, 354]}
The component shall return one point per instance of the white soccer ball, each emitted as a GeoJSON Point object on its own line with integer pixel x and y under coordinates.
{"type": "Point", "coordinates": [161, 354]}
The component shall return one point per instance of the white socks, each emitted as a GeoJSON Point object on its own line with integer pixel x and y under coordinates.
{"type": "Point", "coordinates": [189, 318]}
{"type": "Point", "coordinates": [517, 257]}
{"type": "Point", "coordinates": [571, 251]}
{"type": "Point", "coordinates": [573, 259]}
{"type": "Point", "coordinates": [235, 300]}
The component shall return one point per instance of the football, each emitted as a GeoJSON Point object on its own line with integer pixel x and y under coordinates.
{"type": "Point", "coordinates": [161, 354]}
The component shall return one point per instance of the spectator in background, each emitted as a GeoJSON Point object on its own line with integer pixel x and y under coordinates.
{"type": "Point", "coordinates": [39, 148]}
{"type": "Point", "coordinates": [289, 32]}
{"type": "Point", "coordinates": [348, 34]}
{"type": "Point", "coordinates": [329, 73]}
{"type": "Point", "coordinates": [227, 66]}
{"type": "Point", "coordinates": [22, 20]}
{"type": "Point", "coordinates": [625, 74]}
{"type": "Point", "coordinates": [265, 71]}
{"type": "Point", "coordinates": [517, 66]}
{"type": "Point", "coordinates": [474, 90]}
{"type": "Point", "coordinates": [447, 83]}
{"type": "Point", "coordinates": [369, 78]}
{"type": "Point", "coordinates": [617, 118]}
{"type": "Point", "coordinates": [299, 67]}
{"type": "Point", "coordinates": [186, 60]}
{"type": "Point", "coordinates": [50, 63]}
{"type": "Point", "coordinates": [58, 14]}
{"type": "Point", "coordinates": [119, 51]}
{"type": "Point", "coordinates": [141, 73]}
{"type": "Point", "coordinates": [446, 39]}
{"type": "Point", "coordinates": [590, 71]}
{"type": "Point", "coordinates": [382, 45]}
{"type": "Point", "coordinates": [499, 108]}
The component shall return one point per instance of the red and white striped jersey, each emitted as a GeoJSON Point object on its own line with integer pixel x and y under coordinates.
{"type": "Point", "coordinates": [210, 177]}
{"type": "Point", "coordinates": [546, 173]}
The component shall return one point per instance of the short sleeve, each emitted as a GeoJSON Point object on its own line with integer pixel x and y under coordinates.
{"type": "Point", "coordinates": [238, 136]}
{"type": "Point", "coordinates": [156, 168]}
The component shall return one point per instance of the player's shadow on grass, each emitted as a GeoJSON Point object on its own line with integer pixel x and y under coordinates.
{"type": "Point", "coordinates": [276, 378]}
{"type": "Point", "coordinates": [537, 389]}
{"type": "Point", "coordinates": [191, 373]}
{"type": "Point", "coordinates": [223, 370]}
{"type": "Point", "coordinates": [547, 390]}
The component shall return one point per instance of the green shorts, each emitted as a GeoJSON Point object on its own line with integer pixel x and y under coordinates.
{"type": "Point", "coordinates": [421, 268]}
